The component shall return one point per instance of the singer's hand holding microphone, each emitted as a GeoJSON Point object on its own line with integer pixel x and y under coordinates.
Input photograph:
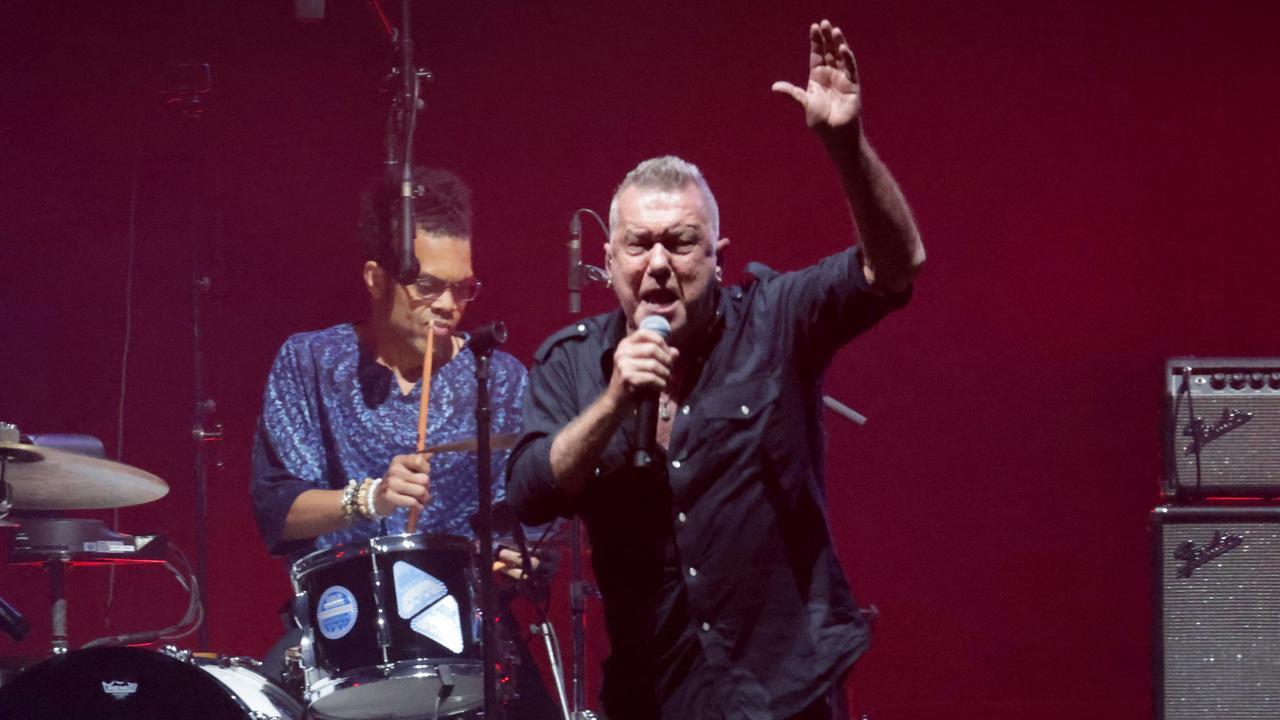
{"type": "Point", "coordinates": [641, 369]}
{"type": "Point", "coordinates": [642, 362]}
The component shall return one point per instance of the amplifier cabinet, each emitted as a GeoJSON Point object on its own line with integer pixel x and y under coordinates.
{"type": "Point", "coordinates": [1222, 428]}
{"type": "Point", "coordinates": [1217, 614]}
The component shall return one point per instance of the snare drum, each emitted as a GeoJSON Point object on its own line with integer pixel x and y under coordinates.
{"type": "Point", "coordinates": [118, 683]}
{"type": "Point", "coordinates": [391, 627]}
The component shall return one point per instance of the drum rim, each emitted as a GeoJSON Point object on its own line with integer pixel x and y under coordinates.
{"type": "Point", "coordinates": [236, 665]}
{"type": "Point", "coordinates": [417, 668]}
{"type": "Point", "coordinates": [324, 557]}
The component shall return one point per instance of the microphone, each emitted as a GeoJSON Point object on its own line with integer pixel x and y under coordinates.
{"type": "Point", "coordinates": [647, 412]}
{"type": "Point", "coordinates": [485, 339]}
{"type": "Point", "coordinates": [575, 263]}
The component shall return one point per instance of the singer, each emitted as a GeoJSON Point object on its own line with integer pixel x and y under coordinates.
{"type": "Point", "coordinates": [723, 596]}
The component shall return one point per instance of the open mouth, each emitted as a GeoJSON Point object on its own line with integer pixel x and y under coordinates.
{"type": "Point", "coordinates": [659, 298]}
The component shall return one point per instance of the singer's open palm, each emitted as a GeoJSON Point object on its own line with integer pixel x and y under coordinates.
{"type": "Point", "coordinates": [832, 99]}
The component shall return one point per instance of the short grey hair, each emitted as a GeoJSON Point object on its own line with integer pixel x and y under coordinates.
{"type": "Point", "coordinates": [666, 173]}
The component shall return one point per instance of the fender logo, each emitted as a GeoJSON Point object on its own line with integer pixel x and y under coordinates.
{"type": "Point", "coordinates": [1202, 433]}
{"type": "Point", "coordinates": [1194, 557]}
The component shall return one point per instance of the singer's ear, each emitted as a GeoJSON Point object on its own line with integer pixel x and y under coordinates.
{"type": "Point", "coordinates": [721, 246]}
{"type": "Point", "coordinates": [375, 280]}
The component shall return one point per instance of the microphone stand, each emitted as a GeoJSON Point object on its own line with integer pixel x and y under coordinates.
{"type": "Point", "coordinates": [483, 342]}
{"type": "Point", "coordinates": [402, 121]}
{"type": "Point", "coordinates": [579, 590]}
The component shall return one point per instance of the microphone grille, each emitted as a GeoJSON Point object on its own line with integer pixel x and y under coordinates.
{"type": "Point", "coordinates": [658, 324]}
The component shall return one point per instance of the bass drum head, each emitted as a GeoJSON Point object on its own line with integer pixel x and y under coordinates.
{"type": "Point", "coordinates": [118, 683]}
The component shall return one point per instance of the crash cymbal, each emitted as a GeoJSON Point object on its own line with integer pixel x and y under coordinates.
{"type": "Point", "coordinates": [41, 478]}
{"type": "Point", "coordinates": [496, 442]}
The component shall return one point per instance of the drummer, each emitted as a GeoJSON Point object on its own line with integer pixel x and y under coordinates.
{"type": "Point", "coordinates": [333, 456]}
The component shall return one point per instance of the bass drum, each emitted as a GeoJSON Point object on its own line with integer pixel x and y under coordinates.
{"type": "Point", "coordinates": [123, 683]}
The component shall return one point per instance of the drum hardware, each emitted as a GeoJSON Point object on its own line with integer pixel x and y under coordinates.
{"type": "Point", "coordinates": [55, 543]}
{"type": "Point", "coordinates": [12, 622]}
{"type": "Point", "coordinates": [82, 541]}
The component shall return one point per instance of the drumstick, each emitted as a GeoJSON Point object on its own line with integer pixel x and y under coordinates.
{"type": "Point", "coordinates": [412, 526]}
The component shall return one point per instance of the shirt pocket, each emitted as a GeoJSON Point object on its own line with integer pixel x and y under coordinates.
{"type": "Point", "coordinates": [741, 401]}
{"type": "Point", "coordinates": [734, 418]}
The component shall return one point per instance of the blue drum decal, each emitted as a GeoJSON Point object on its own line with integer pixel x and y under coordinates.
{"type": "Point", "coordinates": [336, 612]}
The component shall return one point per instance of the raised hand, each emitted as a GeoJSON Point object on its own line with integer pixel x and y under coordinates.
{"type": "Point", "coordinates": [832, 99]}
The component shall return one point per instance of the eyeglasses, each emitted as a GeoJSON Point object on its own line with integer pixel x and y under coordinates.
{"type": "Point", "coordinates": [429, 288]}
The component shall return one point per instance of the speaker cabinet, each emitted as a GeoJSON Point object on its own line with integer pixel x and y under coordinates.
{"type": "Point", "coordinates": [1217, 592]}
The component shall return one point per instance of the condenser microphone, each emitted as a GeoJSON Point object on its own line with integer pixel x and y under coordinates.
{"type": "Point", "coordinates": [575, 264]}
{"type": "Point", "coordinates": [647, 412]}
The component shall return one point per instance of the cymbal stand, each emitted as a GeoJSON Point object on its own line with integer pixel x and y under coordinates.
{"type": "Point", "coordinates": [58, 604]}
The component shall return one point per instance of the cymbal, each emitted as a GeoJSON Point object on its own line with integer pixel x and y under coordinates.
{"type": "Point", "coordinates": [496, 442]}
{"type": "Point", "coordinates": [43, 478]}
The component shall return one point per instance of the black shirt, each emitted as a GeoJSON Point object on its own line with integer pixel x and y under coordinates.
{"type": "Point", "coordinates": [722, 592]}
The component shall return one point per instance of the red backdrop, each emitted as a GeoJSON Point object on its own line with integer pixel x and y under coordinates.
{"type": "Point", "coordinates": [1093, 181]}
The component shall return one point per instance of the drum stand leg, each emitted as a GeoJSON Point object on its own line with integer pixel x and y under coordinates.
{"type": "Point", "coordinates": [56, 570]}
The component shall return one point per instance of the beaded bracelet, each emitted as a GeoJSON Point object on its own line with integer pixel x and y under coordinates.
{"type": "Point", "coordinates": [349, 499]}
{"type": "Point", "coordinates": [365, 504]}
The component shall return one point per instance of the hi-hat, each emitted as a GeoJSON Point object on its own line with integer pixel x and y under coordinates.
{"type": "Point", "coordinates": [496, 442]}
{"type": "Point", "coordinates": [41, 478]}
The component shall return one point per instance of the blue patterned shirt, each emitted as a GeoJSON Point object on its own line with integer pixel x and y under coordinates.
{"type": "Point", "coordinates": [331, 413]}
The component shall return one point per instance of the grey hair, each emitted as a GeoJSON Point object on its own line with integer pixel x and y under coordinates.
{"type": "Point", "coordinates": [666, 173]}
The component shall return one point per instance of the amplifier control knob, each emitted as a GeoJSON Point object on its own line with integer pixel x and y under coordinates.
{"type": "Point", "coordinates": [1257, 381]}
{"type": "Point", "coordinates": [1237, 380]}
{"type": "Point", "coordinates": [1274, 381]}
{"type": "Point", "coordinates": [1218, 381]}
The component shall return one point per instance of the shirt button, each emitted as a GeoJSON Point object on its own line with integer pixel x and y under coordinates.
{"type": "Point", "coordinates": [582, 328]}
{"type": "Point", "coordinates": [745, 410]}
{"type": "Point", "coordinates": [675, 464]}
{"type": "Point", "coordinates": [597, 472]}
{"type": "Point", "coordinates": [693, 572]}
{"type": "Point", "coordinates": [706, 627]}
{"type": "Point", "coordinates": [684, 410]}
{"type": "Point", "coordinates": [681, 518]}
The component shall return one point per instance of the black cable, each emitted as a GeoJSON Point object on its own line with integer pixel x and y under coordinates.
{"type": "Point", "coordinates": [131, 238]}
{"type": "Point", "coordinates": [193, 617]}
{"type": "Point", "coordinates": [1194, 424]}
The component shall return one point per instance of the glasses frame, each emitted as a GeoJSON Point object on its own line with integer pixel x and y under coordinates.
{"type": "Point", "coordinates": [418, 294]}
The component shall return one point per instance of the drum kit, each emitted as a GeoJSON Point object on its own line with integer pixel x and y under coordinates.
{"type": "Point", "coordinates": [391, 627]}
